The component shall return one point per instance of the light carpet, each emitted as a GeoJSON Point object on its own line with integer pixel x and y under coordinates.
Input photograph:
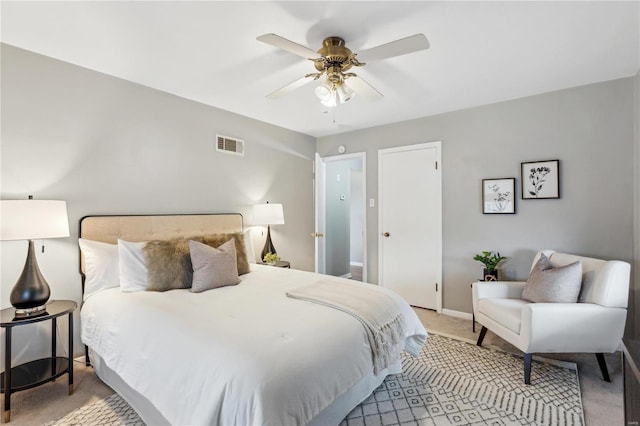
{"type": "Point", "coordinates": [452, 382]}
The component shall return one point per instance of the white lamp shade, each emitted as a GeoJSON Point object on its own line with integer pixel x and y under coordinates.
{"type": "Point", "coordinates": [33, 219]}
{"type": "Point", "coordinates": [268, 214]}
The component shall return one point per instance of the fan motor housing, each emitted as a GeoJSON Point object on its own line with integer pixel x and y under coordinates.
{"type": "Point", "coordinates": [334, 53]}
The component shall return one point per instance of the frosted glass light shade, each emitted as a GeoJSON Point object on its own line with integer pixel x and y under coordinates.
{"type": "Point", "coordinates": [330, 102]}
{"type": "Point", "coordinates": [268, 214]}
{"type": "Point", "coordinates": [345, 93]}
{"type": "Point", "coordinates": [324, 91]}
{"type": "Point", "coordinates": [33, 219]}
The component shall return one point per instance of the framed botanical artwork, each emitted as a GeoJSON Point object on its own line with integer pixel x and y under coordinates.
{"type": "Point", "coordinates": [498, 196]}
{"type": "Point", "coordinates": [540, 179]}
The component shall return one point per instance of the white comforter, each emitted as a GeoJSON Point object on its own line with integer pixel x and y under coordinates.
{"type": "Point", "coordinates": [244, 354]}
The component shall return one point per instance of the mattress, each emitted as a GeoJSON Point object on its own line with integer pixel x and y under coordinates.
{"type": "Point", "coordinates": [243, 354]}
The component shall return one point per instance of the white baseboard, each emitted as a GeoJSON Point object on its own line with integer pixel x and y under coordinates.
{"type": "Point", "coordinates": [457, 314]}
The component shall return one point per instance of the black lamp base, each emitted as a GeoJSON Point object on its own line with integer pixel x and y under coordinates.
{"type": "Point", "coordinates": [268, 245]}
{"type": "Point", "coordinates": [31, 292]}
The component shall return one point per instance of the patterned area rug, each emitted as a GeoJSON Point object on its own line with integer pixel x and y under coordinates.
{"type": "Point", "coordinates": [451, 383]}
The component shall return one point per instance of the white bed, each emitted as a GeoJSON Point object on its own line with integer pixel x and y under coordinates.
{"type": "Point", "coordinates": [244, 354]}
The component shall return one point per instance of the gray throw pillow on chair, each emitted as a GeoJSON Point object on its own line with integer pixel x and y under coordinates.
{"type": "Point", "coordinates": [548, 284]}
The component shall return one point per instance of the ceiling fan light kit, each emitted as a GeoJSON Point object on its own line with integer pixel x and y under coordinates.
{"type": "Point", "coordinates": [323, 92]}
{"type": "Point", "coordinates": [334, 59]}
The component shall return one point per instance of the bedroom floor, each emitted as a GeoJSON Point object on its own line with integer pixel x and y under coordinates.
{"type": "Point", "coordinates": [602, 401]}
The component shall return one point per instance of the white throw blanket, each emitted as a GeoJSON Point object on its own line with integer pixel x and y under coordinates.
{"type": "Point", "coordinates": [377, 312]}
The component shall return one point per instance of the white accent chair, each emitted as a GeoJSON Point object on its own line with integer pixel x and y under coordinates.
{"type": "Point", "coordinates": [593, 325]}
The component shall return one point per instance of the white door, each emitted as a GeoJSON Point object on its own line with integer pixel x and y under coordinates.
{"type": "Point", "coordinates": [318, 234]}
{"type": "Point", "coordinates": [410, 218]}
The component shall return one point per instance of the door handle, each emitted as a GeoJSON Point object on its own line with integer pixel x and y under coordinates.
{"type": "Point", "coordinates": [317, 234]}
{"type": "Point", "coordinates": [386, 234]}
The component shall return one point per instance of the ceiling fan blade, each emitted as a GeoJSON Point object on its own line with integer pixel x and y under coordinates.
{"type": "Point", "coordinates": [289, 46]}
{"type": "Point", "coordinates": [291, 87]}
{"type": "Point", "coordinates": [399, 47]}
{"type": "Point", "coordinates": [362, 88]}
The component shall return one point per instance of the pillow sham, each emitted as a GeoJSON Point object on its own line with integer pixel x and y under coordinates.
{"type": "Point", "coordinates": [168, 264]}
{"type": "Point", "coordinates": [101, 268]}
{"type": "Point", "coordinates": [548, 284]}
{"type": "Point", "coordinates": [216, 240]}
{"type": "Point", "coordinates": [213, 267]}
{"type": "Point", "coordinates": [133, 268]}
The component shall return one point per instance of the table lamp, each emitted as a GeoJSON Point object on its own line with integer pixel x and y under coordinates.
{"type": "Point", "coordinates": [268, 214]}
{"type": "Point", "coordinates": [32, 220]}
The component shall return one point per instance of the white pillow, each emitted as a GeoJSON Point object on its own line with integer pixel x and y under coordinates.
{"type": "Point", "coordinates": [133, 268]}
{"type": "Point", "coordinates": [248, 246]}
{"type": "Point", "coordinates": [101, 268]}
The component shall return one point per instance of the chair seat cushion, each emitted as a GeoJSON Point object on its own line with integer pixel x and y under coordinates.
{"type": "Point", "coordinates": [506, 312]}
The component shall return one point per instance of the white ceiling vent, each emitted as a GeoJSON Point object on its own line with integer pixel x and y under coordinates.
{"type": "Point", "coordinates": [229, 145]}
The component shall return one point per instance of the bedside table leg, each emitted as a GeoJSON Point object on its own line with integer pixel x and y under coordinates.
{"type": "Point", "coordinates": [7, 375]}
{"type": "Point", "coordinates": [54, 333]}
{"type": "Point", "coordinates": [70, 353]}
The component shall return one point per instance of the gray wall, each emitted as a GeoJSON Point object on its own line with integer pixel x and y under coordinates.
{"type": "Point", "coordinates": [108, 146]}
{"type": "Point", "coordinates": [590, 129]}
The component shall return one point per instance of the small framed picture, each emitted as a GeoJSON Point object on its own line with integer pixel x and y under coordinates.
{"type": "Point", "coordinates": [540, 179]}
{"type": "Point", "coordinates": [498, 196]}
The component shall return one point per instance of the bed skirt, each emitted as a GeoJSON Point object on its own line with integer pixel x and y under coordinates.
{"type": "Point", "coordinates": [332, 415]}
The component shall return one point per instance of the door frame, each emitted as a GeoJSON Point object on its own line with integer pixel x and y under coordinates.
{"type": "Point", "coordinates": [428, 145]}
{"type": "Point", "coordinates": [319, 188]}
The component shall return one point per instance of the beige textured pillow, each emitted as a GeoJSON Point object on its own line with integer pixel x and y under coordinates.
{"type": "Point", "coordinates": [168, 264]}
{"type": "Point", "coordinates": [547, 284]}
{"type": "Point", "coordinates": [216, 240]}
{"type": "Point", "coordinates": [213, 267]}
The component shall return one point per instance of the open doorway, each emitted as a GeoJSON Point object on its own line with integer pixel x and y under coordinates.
{"type": "Point", "coordinates": [340, 216]}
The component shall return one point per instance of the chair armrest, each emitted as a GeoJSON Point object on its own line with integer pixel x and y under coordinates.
{"type": "Point", "coordinates": [498, 289]}
{"type": "Point", "coordinates": [495, 289]}
{"type": "Point", "coordinates": [572, 327]}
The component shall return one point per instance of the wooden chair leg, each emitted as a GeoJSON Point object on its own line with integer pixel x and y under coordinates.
{"type": "Point", "coordinates": [527, 369]}
{"type": "Point", "coordinates": [603, 367]}
{"type": "Point", "coordinates": [86, 356]}
{"type": "Point", "coordinates": [481, 336]}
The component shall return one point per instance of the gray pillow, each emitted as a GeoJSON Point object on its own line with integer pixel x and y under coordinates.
{"type": "Point", "coordinates": [547, 284]}
{"type": "Point", "coordinates": [213, 267]}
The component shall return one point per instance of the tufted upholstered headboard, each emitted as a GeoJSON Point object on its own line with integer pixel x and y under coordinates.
{"type": "Point", "coordinates": [155, 227]}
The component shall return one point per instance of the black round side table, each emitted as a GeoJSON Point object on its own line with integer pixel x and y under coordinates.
{"type": "Point", "coordinates": [40, 371]}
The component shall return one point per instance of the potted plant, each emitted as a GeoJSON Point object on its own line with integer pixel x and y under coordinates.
{"type": "Point", "coordinates": [490, 261]}
{"type": "Point", "coordinates": [271, 258]}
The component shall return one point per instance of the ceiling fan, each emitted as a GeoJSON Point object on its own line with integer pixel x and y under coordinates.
{"type": "Point", "coordinates": [334, 60]}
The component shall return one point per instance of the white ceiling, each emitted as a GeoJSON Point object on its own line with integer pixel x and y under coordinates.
{"type": "Point", "coordinates": [481, 52]}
